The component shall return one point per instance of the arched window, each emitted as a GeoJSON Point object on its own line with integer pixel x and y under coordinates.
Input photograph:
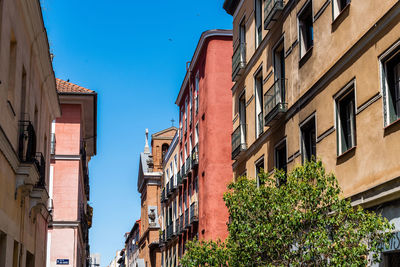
{"type": "Point", "coordinates": [164, 150]}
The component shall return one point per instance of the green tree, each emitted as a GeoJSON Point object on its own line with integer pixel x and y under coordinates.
{"type": "Point", "coordinates": [302, 222]}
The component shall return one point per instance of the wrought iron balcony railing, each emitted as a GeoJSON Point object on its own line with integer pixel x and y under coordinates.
{"type": "Point", "coordinates": [163, 198]}
{"type": "Point", "coordinates": [188, 166]}
{"type": "Point", "coordinates": [274, 102]}
{"type": "Point", "coordinates": [187, 218]}
{"type": "Point", "coordinates": [238, 61]}
{"type": "Point", "coordinates": [260, 122]}
{"type": "Point", "coordinates": [174, 183]}
{"type": "Point", "coordinates": [162, 237]}
{"type": "Point", "coordinates": [272, 11]}
{"type": "Point", "coordinates": [168, 189]}
{"type": "Point", "coordinates": [179, 178]}
{"type": "Point", "coordinates": [239, 140]}
{"type": "Point", "coordinates": [195, 156]}
{"type": "Point", "coordinates": [194, 212]}
{"type": "Point", "coordinates": [181, 224]}
{"type": "Point", "coordinates": [183, 171]}
{"type": "Point", "coordinates": [176, 227]}
{"type": "Point", "coordinates": [170, 229]}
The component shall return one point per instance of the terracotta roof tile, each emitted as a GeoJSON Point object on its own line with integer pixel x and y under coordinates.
{"type": "Point", "coordinates": [67, 87]}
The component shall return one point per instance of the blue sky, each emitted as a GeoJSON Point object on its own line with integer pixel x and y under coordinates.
{"type": "Point", "coordinates": [133, 53]}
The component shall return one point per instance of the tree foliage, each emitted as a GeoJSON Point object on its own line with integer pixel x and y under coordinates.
{"type": "Point", "coordinates": [302, 222]}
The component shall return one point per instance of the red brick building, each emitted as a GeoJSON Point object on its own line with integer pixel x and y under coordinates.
{"type": "Point", "coordinates": [196, 208]}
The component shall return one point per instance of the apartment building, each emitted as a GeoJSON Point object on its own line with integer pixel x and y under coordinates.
{"type": "Point", "coordinates": [193, 191]}
{"type": "Point", "coordinates": [320, 78]}
{"type": "Point", "coordinates": [149, 187]}
{"type": "Point", "coordinates": [28, 105]}
{"type": "Point", "coordinates": [169, 217]}
{"type": "Point", "coordinates": [73, 144]}
{"type": "Point", "coordinates": [132, 246]}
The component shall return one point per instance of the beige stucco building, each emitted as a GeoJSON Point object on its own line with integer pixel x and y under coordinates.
{"type": "Point", "coordinates": [320, 78]}
{"type": "Point", "coordinates": [28, 105]}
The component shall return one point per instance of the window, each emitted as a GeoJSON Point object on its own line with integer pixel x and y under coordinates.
{"type": "Point", "coordinates": [3, 243]}
{"type": "Point", "coordinates": [30, 259]}
{"type": "Point", "coordinates": [391, 87]}
{"type": "Point", "coordinates": [12, 71]}
{"type": "Point", "coordinates": [346, 122]}
{"type": "Point", "coordinates": [196, 94]}
{"type": "Point", "coordinates": [242, 40]}
{"type": "Point", "coordinates": [306, 32]}
{"type": "Point", "coordinates": [258, 81]}
{"type": "Point", "coordinates": [242, 117]}
{"type": "Point", "coordinates": [258, 18]}
{"type": "Point", "coordinates": [259, 168]}
{"type": "Point", "coordinates": [190, 144]}
{"type": "Point", "coordinates": [308, 140]}
{"type": "Point", "coordinates": [196, 134]}
{"type": "Point", "coordinates": [338, 6]}
{"type": "Point", "coordinates": [279, 61]}
{"type": "Point", "coordinates": [280, 156]}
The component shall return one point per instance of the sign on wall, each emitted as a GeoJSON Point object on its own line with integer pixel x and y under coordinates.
{"type": "Point", "coordinates": [62, 262]}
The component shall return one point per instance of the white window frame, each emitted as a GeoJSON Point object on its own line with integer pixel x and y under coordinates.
{"type": "Point", "coordinates": [258, 99]}
{"type": "Point", "coordinates": [337, 9]}
{"type": "Point", "coordinates": [299, 32]}
{"type": "Point", "coordinates": [258, 21]}
{"type": "Point", "coordinates": [383, 59]}
{"type": "Point", "coordinates": [347, 89]}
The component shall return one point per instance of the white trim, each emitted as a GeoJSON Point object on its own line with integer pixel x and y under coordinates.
{"type": "Point", "coordinates": [51, 176]}
{"type": "Point", "coordinates": [347, 89]}
{"type": "Point", "coordinates": [66, 157]}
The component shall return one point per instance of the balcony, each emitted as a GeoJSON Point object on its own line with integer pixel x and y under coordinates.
{"type": "Point", "coordinates": [187, 225]}
{"type": "Point", "coordinates": [195, 156]}
{"type": "Point", "coordinates": [179, 178]}
{"type": "Point", "coordinates": [275, 105]}
{"type": "Point", "coordinates": [181, 224]}
{"type": "Point", "coordinates": [170, 229]}
{"type": "Point", "coordinates": [239, 141]}
{"type": "Point", "coordinates": [194, 212]}
{"type": "Point", "coordinates": [163, 198]}
{"type": "Point", "coordinates": [238, 61]}
{"type": "Point", "coordinates": [162, 237]}
{"type": "Point", "coordinates": [183, 171]}
{"type": "Point", "coordinates": [168, 189]}
{"type": "Point", "coordinates": [188, 165]}
{"type": "Point", "coordinates": [174, 184]}
{"type": "Point", "coordinates": [176, 228]}
{"type": "Point", "coordinates": [272, 11]}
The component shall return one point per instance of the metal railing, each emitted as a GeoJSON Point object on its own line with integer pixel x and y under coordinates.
{"type": "Point", "coordinates": [163, 195]}
{"type": "Point", "coordinates": [195, 156]}
{"type": "Point", "coordinates": [176, 227]}
{"type": "Point", "coordinates": [274, 101]}
{"type": "Point", "coordinates": [239, 140]}
{"type": "Point", "coordinates": [40, 164]}
{"type": "Point", "coordinates": [162, 237]}
{"type": "Point", "coordinates": [174, 183]}
{"type": "Point", "coordinates": [187, 218]}
{"type": "Point", "coordinates": [181, 224]}
{"type": "Point", "coordinates": [188, 165]}
{"type": "Point", "coordinates": [194, 212]}
{"type": "Point", "coordinates": [183, 171]}
{"type": "Point", "coordinates": [271, 12]}
{"type": "Point", "coordinates": [169, 230]}
{"type": "Point", "coordinates": [179, 178]}
{"type": "Point", "coordinates": [238, 60]}
{"type": "Point", "coordinates": [168, 189]}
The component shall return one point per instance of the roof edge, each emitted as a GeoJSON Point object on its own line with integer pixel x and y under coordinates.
{"type": "Point", "coordinates": [204, 36]}
{"type": "Point", "coordinates": [230, 6]}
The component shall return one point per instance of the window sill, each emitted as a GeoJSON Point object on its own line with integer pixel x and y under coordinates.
{"type": "Point", "coordinates": [340, 17]}
{"type": "Point", "coordinates": [392, 127]}
{"type": "Point", "coordinates": [347, 154]}
{"type": "Point", "coordinates": [305, 57]}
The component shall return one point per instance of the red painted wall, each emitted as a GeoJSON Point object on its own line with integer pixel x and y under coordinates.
{"type": "Point", "coordinates": [214, 119]}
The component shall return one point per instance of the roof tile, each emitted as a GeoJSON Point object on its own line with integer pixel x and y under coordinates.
{"type": "Point", "coordinates": [67, 87]}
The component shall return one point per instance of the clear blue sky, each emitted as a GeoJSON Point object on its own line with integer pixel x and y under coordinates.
{"type": "Point", "coordinates": [133, 53]}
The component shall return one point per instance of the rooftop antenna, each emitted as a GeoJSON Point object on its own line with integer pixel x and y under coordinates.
{"type": "Point", "coordinates": [172, 121]}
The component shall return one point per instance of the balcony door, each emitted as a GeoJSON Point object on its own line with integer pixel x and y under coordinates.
{"type": "Point", "coordinates": [242, 118]}
{"type": "Point", "coordinates": [279, 69]}
{"type": "Point", "coordinates": [242, 40]}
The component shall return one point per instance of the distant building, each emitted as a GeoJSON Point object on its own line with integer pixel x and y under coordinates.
{"type": "Point", "coordinates": [132, 247]}
{"type": "Point", "coordinates": [28, 105]}
{"type": "Point", "coordinates": [149, 187]}
{"type": "Point", "coordinates": [114, 262]}
{"type": "Point", "coordinates": [198, 167]}
{"type": "Point", "coordinates": [94, 260]}
{"type": "Point", "coordinates": [73, 145]}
